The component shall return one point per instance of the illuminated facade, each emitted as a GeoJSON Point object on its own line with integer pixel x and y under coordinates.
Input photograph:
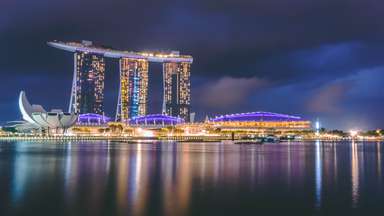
{"type": "Point", "coordinates": [38, 117]}
{"type": "Point", "coordinates": [133, 93]}
{"type": "Point", "coordinates": [155, 120]}
{"type": "Point", "coordinates": [177, 92]}
{"type": "Point", "coordinates": [260, 122]}
{"type": "Point", "coordinates": [92, 119]}
{"type": "Point", "coordinates": [88, 83]}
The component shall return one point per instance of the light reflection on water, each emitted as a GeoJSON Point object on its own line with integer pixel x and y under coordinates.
{"type": "Point", "coordinates": [355, 174]}
{"type": "Point", "coordinates": [169, 178]}
{"type": "Point", "coordinates": [318, 174]}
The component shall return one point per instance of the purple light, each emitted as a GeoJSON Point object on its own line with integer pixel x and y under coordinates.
{"type": "Point", "coordinates": [92, 118]}
{"type": "Point", "coordinates": [256, 116]}
{"type": "Point", "coordinates": [156, 119]}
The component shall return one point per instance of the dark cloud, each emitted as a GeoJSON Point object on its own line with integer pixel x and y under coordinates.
{"type": "Point", "coordinates": [329, 98]}
{"type": "Point", "coordinates": [227, 92]}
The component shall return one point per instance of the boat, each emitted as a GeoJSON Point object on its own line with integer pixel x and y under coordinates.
{"type": "Point", "coordinates": [257, 141]}
{"type": "Point", "coordinates": [271, 139]}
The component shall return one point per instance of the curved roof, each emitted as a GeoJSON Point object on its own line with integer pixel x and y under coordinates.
{"type": "Point", "coordinates": [257, 116]}
{"type": "Point", "coordinates": [156, 119]}
{"type": "Point", "coordinates": [36, 114]}
{"type": "Point", "coordinates": [87, 46]}
{"type": "Point", "coordinates": [27, 109]}
{"type": "Point", "coordinates": [93, 118]}
{"type": "Point", "coordinates": [20, 126]}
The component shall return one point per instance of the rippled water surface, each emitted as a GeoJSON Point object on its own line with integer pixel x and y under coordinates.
{"type": "Point", "coordinates": [169, 178]}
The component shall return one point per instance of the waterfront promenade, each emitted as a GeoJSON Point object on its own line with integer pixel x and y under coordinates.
{"type": "Point", "coordinates": [117, 138]}
{"type": "Point", "coordinates": [166, 138]}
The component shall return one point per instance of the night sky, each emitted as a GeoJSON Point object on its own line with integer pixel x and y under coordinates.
{"type": "Point", "coordinates": [317, 59]}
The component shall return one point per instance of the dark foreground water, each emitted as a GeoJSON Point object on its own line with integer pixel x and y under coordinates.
{"type": "Point", "coordinates": [111, 178]}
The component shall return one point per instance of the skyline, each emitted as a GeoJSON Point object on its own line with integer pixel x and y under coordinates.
{"type": "Point", "coordinates": [327, 67]}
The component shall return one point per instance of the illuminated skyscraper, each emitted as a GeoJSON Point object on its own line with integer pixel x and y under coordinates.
{"type": "Point", "coordinates": [177, 92]}
{"type": "Point", "coordinates": [133, 91]}
{"type": "Point", "coordinates": [88, 83]}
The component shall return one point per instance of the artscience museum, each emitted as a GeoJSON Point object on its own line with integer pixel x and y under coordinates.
{"type": "Point", "coordinates": [38, 117]}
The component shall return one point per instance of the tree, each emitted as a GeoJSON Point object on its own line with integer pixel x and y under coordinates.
{"type": "Point", "coordinates": [371, 133]}
{"type": "Point", "coordinates": [75, 129]}
{"type": "Point", "coordinates": [119, 128]}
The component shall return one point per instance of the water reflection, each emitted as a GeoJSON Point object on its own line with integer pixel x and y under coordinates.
{"type": "Point", "coordinates": [318, 174]}
{"type": "Point", "coordinates": [20, 175]}
{"type": "Point", "coordinates": [110, 178]}
{"type": "Point", "coordinates": [378, 155]}
{"type": "Point", "coordinates": [355, 174]}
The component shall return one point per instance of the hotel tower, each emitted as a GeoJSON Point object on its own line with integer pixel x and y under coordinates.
{"type": "Point", "coordinates": [87, 93]}
{"type": "Point", "coordinates": [88, 83]}
{"type": "Point", "coordinates": [177, 89]}
{"type": "Point", "coordinates": [133, 91]}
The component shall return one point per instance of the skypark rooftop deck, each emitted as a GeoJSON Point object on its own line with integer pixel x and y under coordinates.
{"type": "Point", "coordinates": [87, 46]}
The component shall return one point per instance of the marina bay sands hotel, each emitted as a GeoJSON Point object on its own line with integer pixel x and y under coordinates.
{"type": "Point", "coordinates": [87, 92]}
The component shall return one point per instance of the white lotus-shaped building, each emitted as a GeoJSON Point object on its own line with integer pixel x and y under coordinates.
{"type": "Point", "coordinates": [36, 114]}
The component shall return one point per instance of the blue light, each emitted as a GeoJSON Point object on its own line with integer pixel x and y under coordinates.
{"type": "Point", "coordinates": [257, 116]}
{"type": "Point", "coordinates": [156, 119]}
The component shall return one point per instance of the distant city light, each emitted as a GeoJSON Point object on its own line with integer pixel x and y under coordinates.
{"type": "Point", "coordinates": [353, 133]}
{"type": "Point", "coordinates": [144, 133]}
